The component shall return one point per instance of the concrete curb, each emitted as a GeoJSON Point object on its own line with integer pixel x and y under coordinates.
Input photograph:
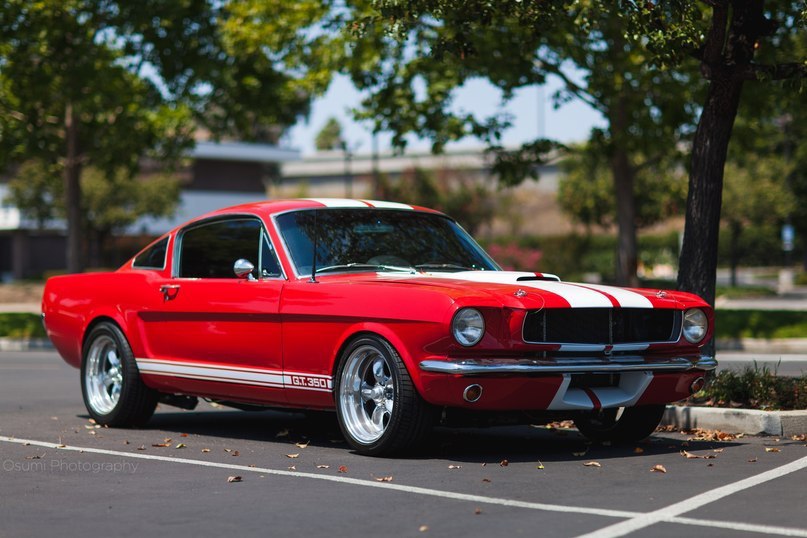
{"type": "Point", "coordinates": [25, 344]}
{"type": "Point", "coordinates": [748, 421]}
{"type": "Point", "coordinates": [762, 345]}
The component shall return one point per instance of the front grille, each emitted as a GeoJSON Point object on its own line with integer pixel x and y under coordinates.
{"type": "Point", "coordinates": [606, 326]}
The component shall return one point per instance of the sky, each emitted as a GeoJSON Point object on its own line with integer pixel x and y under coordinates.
{"type": "Point", "coordinates": [531, 107]}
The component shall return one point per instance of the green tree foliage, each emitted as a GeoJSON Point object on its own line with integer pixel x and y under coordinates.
{"type": "Point", "coordinates": [108, 204]}
{"type": "Point", "coordinates": [330, 136]}
{"type": "Point", "coordinates": [586, 190]}
{"type": "Point", "coordinates": [451, 191]}
{"type": "Point", "coordinates": [754, 194]}
{"type": "Point", "coordinates": [104, 84]}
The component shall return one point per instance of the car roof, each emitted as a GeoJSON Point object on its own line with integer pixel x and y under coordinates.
{"type": "Point", "coordinates": [268, 208]}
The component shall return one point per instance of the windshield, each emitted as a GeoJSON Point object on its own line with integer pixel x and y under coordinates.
{"type": "Point", "coordinates": [372, 240]}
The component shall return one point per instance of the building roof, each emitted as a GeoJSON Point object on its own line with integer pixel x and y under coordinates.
{"type": "Point", "coordinates": [243, 151]}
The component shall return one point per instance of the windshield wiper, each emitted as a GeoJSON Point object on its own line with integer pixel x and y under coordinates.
{"type": "Point", "coordinates": [445, 266]}
{"type": "Point", "coordinates": [363, 267]}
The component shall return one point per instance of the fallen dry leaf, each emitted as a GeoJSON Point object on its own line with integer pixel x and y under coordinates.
{"type": "Point", "coordinates": [235, 453]}
{"type": "Point", "coordinates": [477, 511]}
{"type": "Point", "coordinates": [125, 441]}
{"type": "Point", "coordinates": [423, 528]}
{"type": "Point", "coordinates": [161, 445]}
{"type": "Point", "coordinates": [752, 460]}
{"type": "Point", "coordinates": [504, 463]}
{"type": "Point", "coordinates": [772, 449]}
{"type": "Point", "coordinates": [592, 464]}
{"type": "Point", "coordinates": [183, 434]}
{"type": "Point", "coordinates": [452, 466]}
{"type": "Point", "coordinates": [180, 445]}
{"type": "Point", "coordinates": [539, 466]}
{"type": "Point", "coordinates": [282, 433]}
{"type": "Point", "coordinates": [142, 447]}
{"type": "Point", "coordinates": [383, 479]}
{"type": "Point", "coordinates": [486, 480]}
{"type": "Point", "coordinates": [658, 469]}
{"type": "Point", "coordinates": [292, 467]}
{"type": "Point", "coordinates": [343, 468]}
{"type": "Point", "coordinates": [800, 437]}
{"type": "Point", "coordinates": [303, 445]}
{"type": "Point", "coordinates": [638, 450]}
{"type": "Point", "coordinates": [689, 455]}
{"type": "Point", "coordinates": [234, 479]}
{"type": "Point", "coordinates": [36, 457]}
{"type": "Point", "coordinates": [323, 466]}
{"type": "Point", "coordinates": [205, 450]}
{"type": "Point", "coordinates": [228, 450]}
{"type": "Point", "coordinates": [718, 450]}
{"type": "Point", "coordinates": [292, 456]}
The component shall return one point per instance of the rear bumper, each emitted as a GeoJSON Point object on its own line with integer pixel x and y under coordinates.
{"type": "Point", "coordinates": [566, 365]}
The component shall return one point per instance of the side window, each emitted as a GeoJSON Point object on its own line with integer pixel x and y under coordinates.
{"type": "Point", "coordinates": [153, 257]}
{"type": "Point", "coordinates": [269, 265]}
{"type": "Point", "coordinates": [209, 250]}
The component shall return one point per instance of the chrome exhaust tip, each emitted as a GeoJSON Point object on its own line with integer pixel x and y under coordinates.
{"type": "Point", "coordinates": [472, 393]}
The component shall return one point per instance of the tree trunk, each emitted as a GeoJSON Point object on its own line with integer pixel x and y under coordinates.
{"type": "Point", "coordinates": [72, 192]}
{"type": "Point", "coordinates": [728, 51]}
{"type": "Point", "coordinates": [698, 260]}
{"type": "Point", "coordinates": [623, 175]}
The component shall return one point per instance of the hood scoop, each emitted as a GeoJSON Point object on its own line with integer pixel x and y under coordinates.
{"type": "Point", "coordinates": [542, 277]}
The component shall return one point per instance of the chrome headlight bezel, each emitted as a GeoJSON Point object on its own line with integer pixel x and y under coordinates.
{"type": "Point", "coordinates": [695, 325]}
{"type": "Point", "coordinates": [468, 326]}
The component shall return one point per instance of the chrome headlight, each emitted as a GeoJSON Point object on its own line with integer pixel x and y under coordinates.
{"type": "Point", "coordinates": [468, 326]}
{"type": "Point", "coordinates": [695, 325]}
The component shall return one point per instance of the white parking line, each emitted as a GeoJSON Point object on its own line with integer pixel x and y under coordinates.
{"type": "Point", "coordinates": [667, 514]}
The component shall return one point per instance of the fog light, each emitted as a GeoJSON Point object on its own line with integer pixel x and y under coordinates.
{"type": "Point", "coordinates": [472, 393]}
{"type": "Point", "coordinates": [697, 385]}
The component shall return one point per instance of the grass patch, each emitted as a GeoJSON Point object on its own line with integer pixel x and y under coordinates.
{"type": "Point", "coordinates": [755, 387]}
{"type": "Point", "coordinates": [14, 325]}
{"type": "Point", "coordinates": [744, 292]}
{"type": "Point", "coordinates": [760, 324]}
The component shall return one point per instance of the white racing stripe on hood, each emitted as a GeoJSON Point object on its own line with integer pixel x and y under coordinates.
{"type": "Point", "coordinates": [625, 298]}
{"type": "Point", "coordinates": [338, 202]}
{"type": "Point", "coordinates": [576, 296]}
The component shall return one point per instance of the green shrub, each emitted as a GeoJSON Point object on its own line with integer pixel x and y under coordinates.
{"type": "Point", "coordinates": [756, 387]}
{"type": "Point", "coordinates": [21, 326]}
{"type": "Point", "coordinates": [760, 324]}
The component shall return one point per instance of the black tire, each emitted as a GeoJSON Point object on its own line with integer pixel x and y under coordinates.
{"type": "Point", "coordinates": [632, 425]}
{"type": "Point", "coordinates": [110, 381]}
{"type": "Point", "coordinates": [370, 379]}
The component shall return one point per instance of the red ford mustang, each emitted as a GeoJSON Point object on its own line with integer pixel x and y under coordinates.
{"type": "Point", "coordinates": [389, 313]}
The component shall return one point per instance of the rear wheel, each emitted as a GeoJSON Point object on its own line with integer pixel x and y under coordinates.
{"type": "Point", "coordinates": [110, 381]}
{"type": "Point", "coordinates": [620, 424]}
{"type": "Point", "coordinates": [379, 410]}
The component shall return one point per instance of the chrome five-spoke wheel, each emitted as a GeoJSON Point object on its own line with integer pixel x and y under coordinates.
{"type": "Point", "coordinates": [367, 397]}
{"type": "Point", "coordinates": [110, 382]}
{"type": "Point", "coordinates": [103, 375]}
{"type": "Point", "coordinates": [378, 407]}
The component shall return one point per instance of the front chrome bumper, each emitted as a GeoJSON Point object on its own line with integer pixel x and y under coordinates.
{"type": "Point", "coordinates": [568, 365]}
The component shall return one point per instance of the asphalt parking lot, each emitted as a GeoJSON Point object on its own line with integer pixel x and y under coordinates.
{"type": "Point", "coordinates": [61, 475]}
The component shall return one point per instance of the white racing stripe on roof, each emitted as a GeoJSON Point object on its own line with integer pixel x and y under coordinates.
{"type": "Point", "coordinates": [576, 296]}
{"type": "Point", "coordinates": [625, 298]}
{"type": "Point", "coordinates": [388, 205]}
{"type": "Point", "coordinates": [338, 202]}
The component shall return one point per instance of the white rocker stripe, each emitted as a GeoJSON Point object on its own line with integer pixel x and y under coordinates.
{"type": "Point", "coordinates": [239, 375]}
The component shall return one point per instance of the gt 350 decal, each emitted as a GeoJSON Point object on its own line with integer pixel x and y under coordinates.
{"type": "Point", "coordinates": [232, 374]}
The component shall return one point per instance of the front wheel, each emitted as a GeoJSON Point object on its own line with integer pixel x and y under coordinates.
{"type": "Point", "coordinates": [110, 381]}
{"type": "Point", "coordinates": [379, 410]}
{"type": "Point", "coordinates": [621, 424]}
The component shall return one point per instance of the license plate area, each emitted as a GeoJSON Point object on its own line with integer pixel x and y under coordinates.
{"type": "Point", "coordinates": [593, 381]}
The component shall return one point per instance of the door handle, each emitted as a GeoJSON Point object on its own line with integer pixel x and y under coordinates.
{"type": "Point", "coordinates": [169, 291]}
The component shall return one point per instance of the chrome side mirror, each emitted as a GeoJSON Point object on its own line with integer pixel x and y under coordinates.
{"type": "Point", "coordinates": [243, 269]}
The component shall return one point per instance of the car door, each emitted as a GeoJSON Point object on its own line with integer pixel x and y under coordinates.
{"type": "Point", "coordinates": [211, 332]}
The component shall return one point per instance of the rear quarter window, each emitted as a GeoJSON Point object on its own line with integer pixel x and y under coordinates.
{"type": "Point", "coordinates": [153, 257]}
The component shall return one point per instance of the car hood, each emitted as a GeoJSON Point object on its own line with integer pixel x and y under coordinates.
{"type": "Point", "coordinates": [531, 290]}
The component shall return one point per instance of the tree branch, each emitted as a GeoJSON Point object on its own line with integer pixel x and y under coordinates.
{"type": "Point", "coordinates": [782, 71]}
{"type": "Point", "coordinates": [571, 86]}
